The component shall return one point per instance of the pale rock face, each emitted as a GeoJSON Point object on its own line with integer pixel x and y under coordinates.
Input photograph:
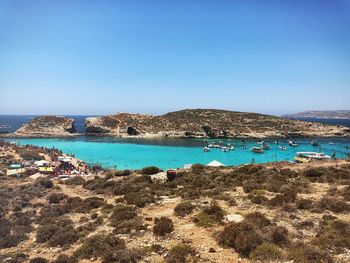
{"type": "Point", "coordinates": [160, 177]}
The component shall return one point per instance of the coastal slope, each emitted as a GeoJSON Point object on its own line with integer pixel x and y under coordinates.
{"type": "Point", "coordinates": [208, 123]}
{"type": "Point", "coordinates": [44, 126]}
{"type": "Point", "coordinates": [328, 114]}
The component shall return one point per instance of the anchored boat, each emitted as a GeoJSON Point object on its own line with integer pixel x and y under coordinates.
{"type": "Point", "coordinates": [257, 150]}
{"type": "Point", "coordinates": [292, 143]}
{"type": "Point", "coordinates": [314, 143]}
{"type": "Point", "coordinates": [302, 157]}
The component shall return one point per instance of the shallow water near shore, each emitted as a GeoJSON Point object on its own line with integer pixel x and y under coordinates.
{"type": "Point", "coordinates": [175, 153]}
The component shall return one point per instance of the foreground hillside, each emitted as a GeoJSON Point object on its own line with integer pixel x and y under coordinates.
{"type": "Point", "coordinates": [256, 213]}
{"type": "Point", "coordinates": [208, 123]}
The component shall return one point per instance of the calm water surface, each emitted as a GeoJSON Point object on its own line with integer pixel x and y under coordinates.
{"type": "Point", "coordinates": [175, 153]}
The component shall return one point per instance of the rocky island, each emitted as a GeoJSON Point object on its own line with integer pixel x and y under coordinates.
{"type": "Point", "coordinates": [209, 123]}
{"type": "Point", "coordinates": [328, 114]}
{"type": "Point", "coordinates": [47, 126]}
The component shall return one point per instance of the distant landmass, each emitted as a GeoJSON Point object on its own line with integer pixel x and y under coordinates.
{"type": "Point", "coordinates": [328, 114]}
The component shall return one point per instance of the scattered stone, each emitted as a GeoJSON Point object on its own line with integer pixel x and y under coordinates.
{"type": "Point", "coordinates": [212, 250]}
{"type": "Point", "coordinates": [234, 218]}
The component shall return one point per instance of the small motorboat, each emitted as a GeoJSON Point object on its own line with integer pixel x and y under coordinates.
{"type": "Point", "coordinates": [225, 149]}
{"type": "Point", "coordinates": [206, 149]}
{"type": "Point", "coordinates": [292, 143]}
{"type": "Point", "coordinates": [314, 143]}
{"type": "Point", "coordinates": [276, 142]}
{"type": "Point", "coordinates": [260, 142]}
{"type": "Point", "coordinates": [265, 146]}
{"type": "Point", "coordinates": [331, 143]}
{"type": "Point", "coordinates": [307, 156]}
{"type": "Point", "coordinates": [283, 148]}
{"type": "Point", "coordinates": [257, 150]}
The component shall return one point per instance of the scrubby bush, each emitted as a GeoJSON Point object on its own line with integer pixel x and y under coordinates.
{"type": "Point", "coordinates": [28, 154]}
{"type": "Point", "coordinates": [38, 260]}
{"type": "Point", "coordinates": [124, 219]}
{"type": "Point", "coordinates": [140, 198]}
{"type": "Point", "coordinates": [151, 170]}
{"type": "Point", "coordinates": [184, 208]}
{"type": "Point", "coordinates": [44, 182]}
{"type": "Point", "coordinates": [118, 172]}
{"type": "Point", "coordinates": [94, 202]}
{"type": "Point", "coordinates": [55, 198]}
{"type": "Point", "coordinates": [279, 235]}
{"type": "Point", "coordinates": [99, 246]}
{"type": "Point", "coordinates": [65, 259]}
{"type": "Point", "coordinates": [242, 236]}
{"type": "Point", "coordinates": [61, 233]}
{"type": "Point", "coordinates": [314, 172]}
{"type": "Point", "coordinates": [209, 216]}
{"type": "Point", "coordinates": [333, 235]}
{"type": "Point", "coordinates": [266, 252]}
{"type": "Point", "coordinates": [123, 255]}
{"type": "Point", "coordinates": [333, 204]}
{"type": "Point", "coordinates": [257, 219]}
{"type": "Point", "coordinates": [303, 253]}
{"type": "Point", "coordinates": [304, 204]}
{"type": "Point", "coordinates": [180, 253]}
{"type": "Point", "coordinates": [75, 180]}
{"type": "Point", "coordinates": [163, 226]}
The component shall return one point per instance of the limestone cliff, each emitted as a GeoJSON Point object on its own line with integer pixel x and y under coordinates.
{"type": "Point", "coordinates": [208, 123]}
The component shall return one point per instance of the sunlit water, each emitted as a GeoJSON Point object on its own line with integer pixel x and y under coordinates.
{"type": "Point", "coordinates": [175, 153]}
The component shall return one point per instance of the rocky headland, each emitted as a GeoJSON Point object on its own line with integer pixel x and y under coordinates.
{"type": "Point", "coordinates": [47, 126]}
{"type": "Point", "coordinates": [209, 123]}
{"type": "Point", "coordinates": [327, 114]}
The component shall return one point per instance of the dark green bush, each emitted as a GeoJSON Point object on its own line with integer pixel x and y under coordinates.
{"type": "Point", "coordinates": [209, 216]}
{"type": "Point", "coordinates": [151, 170]}
{"type": "Point", "coordinates": [124, 219]}
{"type": "Point", "coordinates": [163, 226]}
{"type": "Point", "coordinates": [333, 204]}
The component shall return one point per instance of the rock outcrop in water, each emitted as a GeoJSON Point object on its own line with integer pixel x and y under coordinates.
{"type": "Point", "coordinates": [208, 123]}
{"type": "Point", "coordinates": [47, 126]}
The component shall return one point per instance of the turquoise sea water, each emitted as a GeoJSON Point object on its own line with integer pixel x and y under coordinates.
{"type": "Point", "coordinates": [175, 153]}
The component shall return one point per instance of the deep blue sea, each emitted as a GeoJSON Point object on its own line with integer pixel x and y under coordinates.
{"type": "Point", "coordinates": [172, 153]}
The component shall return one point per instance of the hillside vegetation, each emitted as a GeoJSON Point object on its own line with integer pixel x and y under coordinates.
{"type": "Point", "coordinates": [208, 123]}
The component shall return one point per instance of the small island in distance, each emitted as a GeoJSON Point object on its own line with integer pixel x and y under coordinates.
{"type": "Point", "coordinates": [321, 114]}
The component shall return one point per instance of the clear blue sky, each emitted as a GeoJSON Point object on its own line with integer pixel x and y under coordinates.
{"type": "Point", "coordinates": [99, 57]}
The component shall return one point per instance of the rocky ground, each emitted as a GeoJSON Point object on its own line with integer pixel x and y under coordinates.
{"type": "Point", "coordinates": [278, 212]}
{"type": "Point", "coordinates": [209, 123]}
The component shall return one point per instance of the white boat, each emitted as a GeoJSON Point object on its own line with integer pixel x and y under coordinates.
{"type": "Point", "coordinates": [292, 143]}
{"type": "Point", "coordinates": [312, 155]}
{"type": "Point", "coordinates": [282, 148]}
{"type": "Point", "coordinates": [225, 149]}
{"type": "Point", "coordinates": [265, 146]}
{"type": "Point", "coordinates": [206, 149]}
{"type": "Point", "coordinates": [257, 150]}
{"type": "Point", "coordinates": [260, 142]}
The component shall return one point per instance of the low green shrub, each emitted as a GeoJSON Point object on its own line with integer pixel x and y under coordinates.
{"type": "Point", "coordinates": [75, 180]}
